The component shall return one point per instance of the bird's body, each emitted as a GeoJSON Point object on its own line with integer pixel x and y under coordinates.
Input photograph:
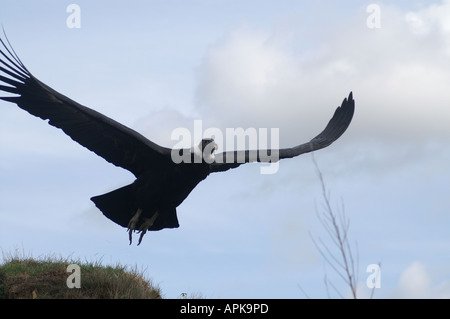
{"type": "Point", "coordinates": [155, 192]}
{"type": "Point", "coordinates": [162, 183]}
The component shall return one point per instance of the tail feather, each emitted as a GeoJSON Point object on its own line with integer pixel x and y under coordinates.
{"type": "Point", "coordinates": [118, 205]}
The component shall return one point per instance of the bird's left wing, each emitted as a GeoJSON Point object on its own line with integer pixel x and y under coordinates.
{"type": "Point", "coordinates": [335, 128]}
{"type": "Point", "coordinates": [107, 138]}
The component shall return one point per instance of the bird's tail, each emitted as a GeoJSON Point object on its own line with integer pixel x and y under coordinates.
{"type": "Point", "coordinates": [118, 205]}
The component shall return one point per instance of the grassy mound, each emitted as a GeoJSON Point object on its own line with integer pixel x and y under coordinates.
{"type": "Point", "coordinates": [48, 279]}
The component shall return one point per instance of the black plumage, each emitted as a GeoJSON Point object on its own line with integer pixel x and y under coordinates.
{"type": "Point", "coordinates": [161, 185]}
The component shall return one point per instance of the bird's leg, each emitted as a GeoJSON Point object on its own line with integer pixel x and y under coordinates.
{"type": "Point", "coordinates": [148, 222]}
{"type": "Point", "coordinates": [132, 223]}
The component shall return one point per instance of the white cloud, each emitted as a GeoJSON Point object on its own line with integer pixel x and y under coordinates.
{"type": "Point", "coordinates": [430, 19]}
{"type": "Point", "coordinates": [158, 126]}
{"type": "Point", "coordinates": [416, 282]}
{"type": "Point", "coordinates": [245, 74]}
{"type": "Point", "coordinates": [399, 76]}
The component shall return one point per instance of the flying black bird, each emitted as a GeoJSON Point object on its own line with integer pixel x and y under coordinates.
{"type": "Point", "coordinates": [161, 184]}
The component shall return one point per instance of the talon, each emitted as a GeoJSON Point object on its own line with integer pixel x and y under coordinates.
{"type": "Point", "coordinates": [141, 236]}
{"type": "Point", "coordinates": [148, 222]}
{"type": "Point", "coordinates": [132, 223]}
{"type": "Point", "coordinates": [130, 236]}
{"type": "Point", "coordinates": [134, 219]}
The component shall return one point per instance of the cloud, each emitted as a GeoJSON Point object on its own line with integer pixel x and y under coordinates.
{"type": "Point", "coordinates": [398, 73]}
{"type": "Point", "coordinates": [416, 282]}
{"type": "Point", "coordinates": [249, 72]}
{"type": "Point", "coordinates": [158, 126]}
{"type": "Point", "coordinates": [431, 19]}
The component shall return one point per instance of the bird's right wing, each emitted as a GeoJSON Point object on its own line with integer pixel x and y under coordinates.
{"type": "Point", "coordinates": [109, 139]}
{"type": "Point", "coordinates": [335, 128]}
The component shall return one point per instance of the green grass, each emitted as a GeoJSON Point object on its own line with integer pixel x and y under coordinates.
{"type": "Point", "coordinates": [46, 278]}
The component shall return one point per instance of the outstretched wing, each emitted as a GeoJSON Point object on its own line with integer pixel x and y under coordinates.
{"type": "Point", "coordinates": [335, 128]}
{"type": "Point", "coordinates": [109, 139]}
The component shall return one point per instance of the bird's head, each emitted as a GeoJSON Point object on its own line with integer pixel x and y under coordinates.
{"type": "Point", "coordinates": [208, 147]}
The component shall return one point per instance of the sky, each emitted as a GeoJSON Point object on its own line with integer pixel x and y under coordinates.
{"type": "Point", "coordinates": [156, 66]}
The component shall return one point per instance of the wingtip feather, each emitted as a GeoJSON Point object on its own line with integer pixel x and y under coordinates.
{"type": "Point", "coordinates": [12, 99]}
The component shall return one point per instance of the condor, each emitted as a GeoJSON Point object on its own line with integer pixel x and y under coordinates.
{"type": "Point", "coordinates": [161, 185]}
